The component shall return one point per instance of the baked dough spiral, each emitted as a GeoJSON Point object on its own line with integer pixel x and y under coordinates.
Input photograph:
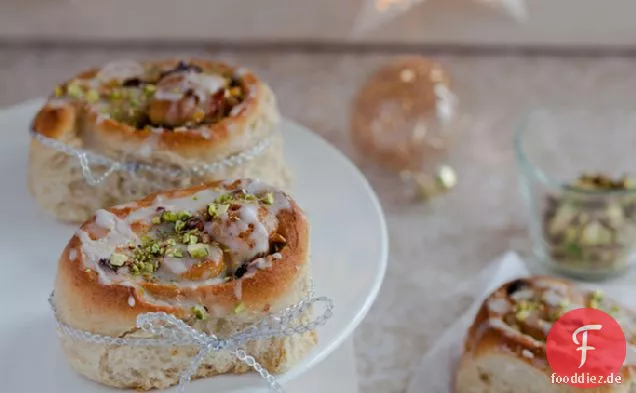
{"type": "Point", "coordinates": [175, 115]}
{"type": "Point", "coordinates": [219, 256]}
{"type": "Point", "coordinates": [504, 349]}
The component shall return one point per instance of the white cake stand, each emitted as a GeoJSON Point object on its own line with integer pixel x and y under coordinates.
{"type": "Point", "coordinates": [349, 257]}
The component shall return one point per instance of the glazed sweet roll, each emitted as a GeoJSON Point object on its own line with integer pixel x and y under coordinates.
{"type": "Point", "coordinates": [116, 134]}
{"type": "Point", "coordinates": [219, 257]}
{"type": "Point", "coordinates": [505, 348]}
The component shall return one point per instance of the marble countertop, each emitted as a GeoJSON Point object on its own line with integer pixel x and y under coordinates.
{"type": "Point", "coordinates": [433, 246]}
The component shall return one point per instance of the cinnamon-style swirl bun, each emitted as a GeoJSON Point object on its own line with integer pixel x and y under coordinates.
{"type": "Point", "coordinates": [505, 348]}
{"type": "Point", "coordinates": [166, 124]}
{"type": "Point", "coordinates": [219, 256]}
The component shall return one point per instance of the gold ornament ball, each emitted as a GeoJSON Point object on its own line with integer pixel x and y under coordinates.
{"type": "Point", "coordinates": [395, 114]}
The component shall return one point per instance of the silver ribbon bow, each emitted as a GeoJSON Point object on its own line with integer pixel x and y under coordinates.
{"type": "Point", "coordinates": [172, 331]}
{"type": "Point", "coordinates": [87, 158]}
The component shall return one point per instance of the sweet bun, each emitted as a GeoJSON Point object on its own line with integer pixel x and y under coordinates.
{"type": "Point", "coordinates": [219, 256]}
{"type": "Point", "coordinates": [504, 350]}
{"type": "Point", "coordinates": [174, 116]}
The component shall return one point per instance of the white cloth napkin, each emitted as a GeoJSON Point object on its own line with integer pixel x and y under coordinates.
{"type": "Point", "coordinates": [436, 371]}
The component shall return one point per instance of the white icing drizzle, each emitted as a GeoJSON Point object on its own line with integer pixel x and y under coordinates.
{"type": "Point", "coordinates": [131, 301]}
{"type": "Point", "coordinates": [203, 283]}
{"type": "Point", "coordinates": [512, 333]}
{"type": "Point", "coordinates": [499, 306]}
{"type": "Point", "coordinates": [238, 289]}
{"type": "Point", "coordinates": [252, 91]}
{"type": "Point", "coordinates": [499, 324]}
{"type": "Point", "coordinates": [178, 265]}
{"type": "Point", "coordinates": [524, 294]}
{"type": "Point", "coordinates": [232, 233]}
{"type": "Point", "coordinates": [102, 117]}
{"type": "Point", "coordinates": [238, 108]}
{"type": "Point", "coordinates": [276, 255]}
{"type": "Point", "coordinates": [553, 298]}
{"type": "Point", "coordinates": [173, 87]}
{"type": "Point", "coordinates": [545, 326]}
{"type": "Point", "coordinates": [118, 233]}
{"type": "Point", "coordinates": [119, 71]}
{"type": "Point", "coordinates": [281, 201]}
{"type": "Point", "coordinates": [72, 254]}
{"type": "Point", "coordinates": [257, 219]}
{"type": "Point", "coordinates": [562, 287]}
{"type": "Point", "coordinates": [145, 151]}
{"type": "Point", "coordinates": [58, 102]}
{"type": "Point", "coordinates": [527, 354]}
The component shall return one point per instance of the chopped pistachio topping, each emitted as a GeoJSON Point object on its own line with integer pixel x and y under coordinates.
{"type": "Point", "coordinates": [169, 216]}
{"type": "Point", "coordinates": [116, 94]}
{"type": "Point", "coordinates": [175, 253]}
{"type": "Point", "coordinates": [150, 89]}
{"type": "Point", "coordinates": [75, 90]}
{"type": "Point", "coordinates": [268, 198]}
{"type": "Point", "coordinates": [585, 232]}
{"type": "Point", "coordinates": [198, 116]}
{"type": "Point", "coordinates": [179, 226]}
{"type": "Point", "coordinates": [522, 315]}
{"type": "Point", "coordinates": [198, 250]}
{"type": "Point", "coordinates": [118, 259]}
{"type": "Point", "coordinates": [190, 238]}
{"type": "Point", "coordinates": [155, 248]}
{"type": "Point", "coordinates": [156, 220]}
{"type": "Point", "coordinates": [199, 312]}
{"type": "Point", "coordinates": [224, 198]}
{"type": "Point", "coordinates": [59, 91]}
{"type": "Point", "coordinates": [564, 303]}
{"type": "Point", "coordinates": [183, 215]}
{"type": "Point", "coordinates": [216, 210]}
{"type": "Point", "coordinates": [240, 307]}
{"type": "Point", "coordinates": [597, 294]}
{"type": "Point", "coordinates": [222, 209]}
{"type": "Point", "coordinates": [92, 96]}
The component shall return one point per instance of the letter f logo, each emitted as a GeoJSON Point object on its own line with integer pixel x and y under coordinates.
{"type": "Point", "coordinates": [583, 344]}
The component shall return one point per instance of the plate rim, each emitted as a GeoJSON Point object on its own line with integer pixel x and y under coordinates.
{"type": "Point", "coordinates": [379, 277]}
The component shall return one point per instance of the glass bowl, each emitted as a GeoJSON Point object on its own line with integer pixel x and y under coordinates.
{"type": "Point", "coordinates": [575, 170]}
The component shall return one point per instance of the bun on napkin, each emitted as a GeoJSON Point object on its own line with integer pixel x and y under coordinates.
{"type": "Point", "coordinates": [219, 257]}
{"type": "Point", "coordinates": [190, 122]}
{"type": "Point", "coordinates": [504, 349]}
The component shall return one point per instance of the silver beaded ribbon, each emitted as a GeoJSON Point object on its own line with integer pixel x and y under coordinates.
{"type": "Point", "coordinates": [171, 331]}
{"type": "Point", "coordinates": [87, 158]}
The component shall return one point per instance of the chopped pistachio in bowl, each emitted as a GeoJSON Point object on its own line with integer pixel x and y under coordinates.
{"type": "Point", "coordinates": [587, 228]}
{"type": "Point", "coordinates": [583, 226]}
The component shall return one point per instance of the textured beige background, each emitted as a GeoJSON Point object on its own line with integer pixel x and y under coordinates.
{"type": "Point", "coordinates": [434, 246]}
{"type": "Point", "coordinates": [460, 22]}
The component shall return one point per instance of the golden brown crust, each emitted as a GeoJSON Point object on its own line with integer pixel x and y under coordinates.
{"type": "Point", "coordinates": [55, 121]}
{"type": "Point", "coordinates": [83, 302]}
{"type": "Point", "coordinates": [492, 330]}
{"type": "Point", "coordinates": [229, 135]}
